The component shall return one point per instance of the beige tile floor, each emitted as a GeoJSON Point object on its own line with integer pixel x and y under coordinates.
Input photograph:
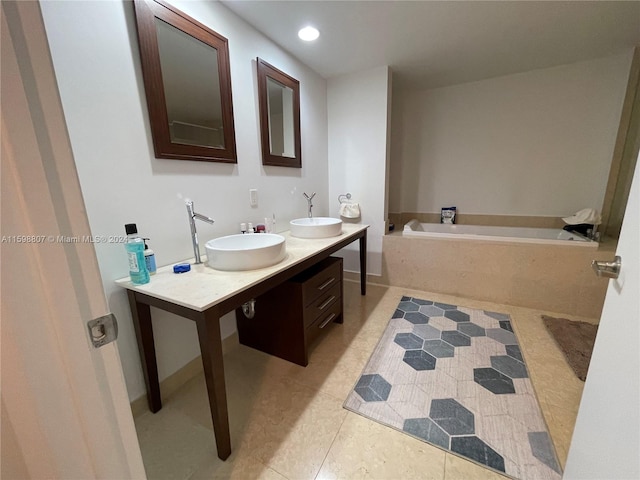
{"type": "Point", "coordinates": [287, 422]}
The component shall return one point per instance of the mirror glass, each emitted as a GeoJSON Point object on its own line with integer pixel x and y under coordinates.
{"type": "Point", "coordinates": [279, 101]}
{"type": "Point", "coordinates": [187, 80]}
{"type": "Point", "coordinates": [280, 108]}
{"type": "Point", "coordinates": [194, 111]}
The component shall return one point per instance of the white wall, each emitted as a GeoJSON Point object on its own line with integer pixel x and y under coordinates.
{"type": "Point", "coordinates": [96, 59]}
{"type": "Point", "coordinates": [358, 113]}
{"type": "Point", "coordinates": [535, 143]}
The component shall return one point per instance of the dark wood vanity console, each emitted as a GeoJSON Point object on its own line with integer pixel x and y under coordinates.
{"type": "Point", "coordinates": [289, 317]}
{"type": "Point", "coordinates": [204, 295]}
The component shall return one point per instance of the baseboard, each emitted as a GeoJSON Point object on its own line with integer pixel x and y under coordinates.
{"type": "Point", "coordinates": [355, 277]}
{"type": "Point", "coordinates": [176, 380]}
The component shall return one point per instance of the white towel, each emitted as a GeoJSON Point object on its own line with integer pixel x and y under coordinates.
{"type": "Point", "coordinates": [350, 210]}
{"type": "Point", "coordinates": [586, 215]}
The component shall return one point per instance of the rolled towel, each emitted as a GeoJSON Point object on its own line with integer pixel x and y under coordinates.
{"type": "Point", "coordinates": [350, 210]}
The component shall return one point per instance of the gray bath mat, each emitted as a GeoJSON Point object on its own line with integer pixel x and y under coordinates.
{"type": "Point", "coordinates": [455, 377]}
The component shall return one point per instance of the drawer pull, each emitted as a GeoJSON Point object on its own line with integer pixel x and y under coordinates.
{"type": "Point", "coordinates": [327, 302]}
{"type": "Point", "coordinates": [329, 318]}
{"type": "Point", "coordinates": [327, 283]}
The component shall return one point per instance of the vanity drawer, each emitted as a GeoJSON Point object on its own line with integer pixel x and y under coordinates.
{"type": "Point", "coordinates": [289, 316]}
{"type": "Point", "coordinates": [323, 322]}
{"type": "Point", "coordinates": [322, 304]}
{"type": "Point", "coordinates": [320, 279]}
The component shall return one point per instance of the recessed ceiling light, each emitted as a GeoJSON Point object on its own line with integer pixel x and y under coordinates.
{"type": "Point", "coordinates": [308, 34]}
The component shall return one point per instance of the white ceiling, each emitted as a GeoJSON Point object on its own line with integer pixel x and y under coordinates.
{"type": "Point", "coordinates": [435, 43]}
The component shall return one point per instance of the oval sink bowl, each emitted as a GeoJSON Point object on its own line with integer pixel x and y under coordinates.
{"type": "Point", "coordinates": [249, 251]}
{"type": "Point", "coordinates": [316, 227]}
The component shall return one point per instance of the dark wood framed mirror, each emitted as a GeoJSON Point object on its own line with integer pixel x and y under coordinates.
{"type": "Point", "coordinates": [187, 81]}
{"type": "Point", "coordinates": [279, 101]}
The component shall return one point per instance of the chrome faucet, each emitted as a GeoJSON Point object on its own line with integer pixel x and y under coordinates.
{"type": "Point", "coordinates": [309, 198]}
{"type": "Point", "coordinates": [593, 234]}
{"type": "Point", "coordinates": [194, 235]}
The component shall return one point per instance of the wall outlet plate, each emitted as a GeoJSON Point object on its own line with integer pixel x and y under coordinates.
{"type": "Point", "coordinates": [253, 197]}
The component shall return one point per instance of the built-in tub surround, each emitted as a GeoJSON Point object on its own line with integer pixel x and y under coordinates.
{"type": "Point", "coordinates": [203, 295]}
{"type": "Point", "coordinates": [543, 236]}
{"type": "Point", "coordinates": [554, 278]}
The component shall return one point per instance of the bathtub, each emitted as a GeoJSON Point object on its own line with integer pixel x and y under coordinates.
{"type": "Point", "coordinates": [539, 271]}
{"type": "Point", "coordinates": [549, 236]}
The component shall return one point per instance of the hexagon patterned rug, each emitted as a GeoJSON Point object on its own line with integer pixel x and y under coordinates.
{"type": "Point", "coordinates": [455, 377]}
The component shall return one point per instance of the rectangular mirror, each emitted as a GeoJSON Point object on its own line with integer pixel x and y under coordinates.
{"type": "Point", "coordinates": [187, 82]}
{"type": "Point", "coordinates": [279, 103]}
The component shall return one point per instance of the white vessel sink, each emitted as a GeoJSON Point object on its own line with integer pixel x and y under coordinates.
{"type": "Point", "coordinates": [245, 251]}
{"type": "Point", "coordinates": [316, 227]}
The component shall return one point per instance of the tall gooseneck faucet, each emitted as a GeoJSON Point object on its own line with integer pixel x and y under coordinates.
{"type": "Point", "coordinates": [194, 235]}
{"type": "Point", "coordinates": [309, 198]}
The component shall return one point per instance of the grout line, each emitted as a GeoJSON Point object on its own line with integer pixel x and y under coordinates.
{"type": "Point", "coordinates": [331, 446]}
{"type": "Point", "coordinates": [271, 468]}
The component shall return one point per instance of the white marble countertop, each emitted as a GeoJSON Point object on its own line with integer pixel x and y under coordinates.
{"type": "Point", "coordinates": [204, 287]}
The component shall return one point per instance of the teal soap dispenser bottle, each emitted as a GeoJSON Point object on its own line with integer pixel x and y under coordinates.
{"type": "Point", "coordinates": [135, 252]}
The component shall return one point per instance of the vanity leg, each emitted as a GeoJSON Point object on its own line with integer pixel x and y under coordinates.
{"type": "Point", "coordinates": [363, 264]}
{"type": "Point", "coordinates": [141, 315]}
{"type": "Point", "coordinates": [211, 348]}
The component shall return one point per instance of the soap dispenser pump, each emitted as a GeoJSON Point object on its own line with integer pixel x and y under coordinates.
{"type": "Point", "coordinates": [149, 258]}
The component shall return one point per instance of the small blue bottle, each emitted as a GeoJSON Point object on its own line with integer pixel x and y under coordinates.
{"type": "Point", "coordinates": [135, 252]}
{"type": "Point", "coordinates": [149, 258]}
